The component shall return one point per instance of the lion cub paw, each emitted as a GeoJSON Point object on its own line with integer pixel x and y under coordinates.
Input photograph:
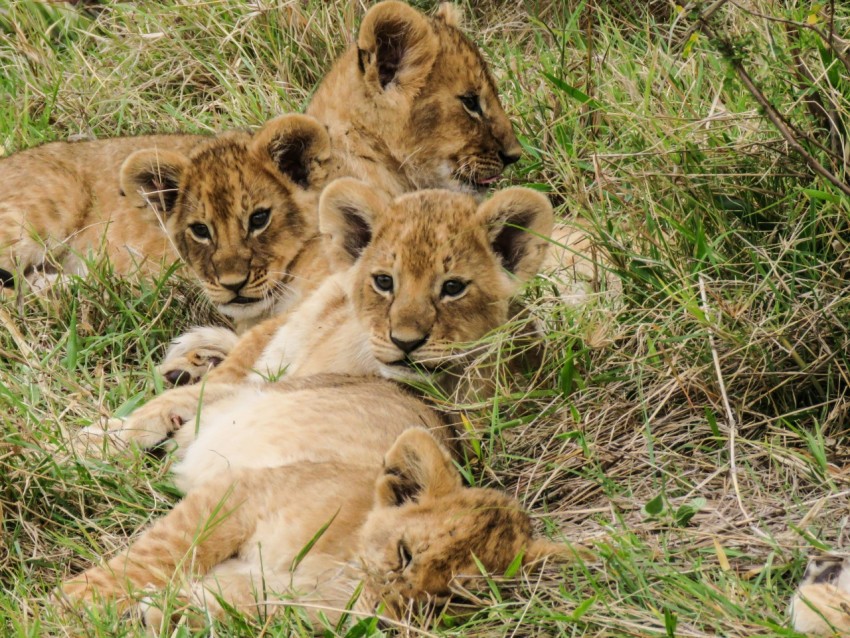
{"type": "Point", "coordinates": [191, 355]}
{"type": "Point", "coordinates": [147, 427]}
{"type": "Point", "coordinates": [104, 436]}
{"type": "Point", "coordinates": [190, 606]}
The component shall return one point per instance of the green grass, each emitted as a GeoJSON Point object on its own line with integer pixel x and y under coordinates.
{"type": "Point", "coordinates": [640, 131]}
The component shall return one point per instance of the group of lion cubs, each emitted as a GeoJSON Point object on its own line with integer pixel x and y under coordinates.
{"type": "Point", "coordinates": [349, 249]}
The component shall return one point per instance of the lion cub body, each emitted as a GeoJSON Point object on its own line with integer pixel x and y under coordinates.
{"type": "Point", "coordinates": [357, 452]}
{"type": "Point", "coordinates": [65, 199]}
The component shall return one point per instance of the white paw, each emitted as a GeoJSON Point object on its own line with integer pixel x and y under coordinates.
{"type": "Point", "coordinates": [191, 355]}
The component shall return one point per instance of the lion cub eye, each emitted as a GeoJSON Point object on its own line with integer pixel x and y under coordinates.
{"type": "Point", "coordinates": [200, 231]}
{"type": "Point", "coordinates": [405, 556]}
{"type": "Point", "coordinates": [471, 103]}
{"type": "Point", "coordinates": [452, 288]}
{"type": "Point", "coordinates": [259, 218]}
{"type": "Point", "coordinates": [383, 283]}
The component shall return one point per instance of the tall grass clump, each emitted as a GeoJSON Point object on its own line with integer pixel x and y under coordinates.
{"type": "Point", "coordinates": [686, 411]}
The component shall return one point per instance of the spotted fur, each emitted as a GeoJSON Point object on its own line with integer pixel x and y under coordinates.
{"type": "Point", "coordinates": [219, 192]}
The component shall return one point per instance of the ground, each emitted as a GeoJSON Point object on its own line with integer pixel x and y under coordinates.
{"type": "Point", "coordinates": [689, 415]}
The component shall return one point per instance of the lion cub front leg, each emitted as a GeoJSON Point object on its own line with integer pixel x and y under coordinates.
{"type": "Point", "coordinates": [163, 416]}
{"type": "Point", "coordinates": [204, 529]}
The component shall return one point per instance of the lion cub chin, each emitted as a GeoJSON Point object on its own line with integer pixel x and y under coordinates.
{"type": "Point", "coordinates": [821, 604]}
{"type": "Point", "coordinates": [239, 209]}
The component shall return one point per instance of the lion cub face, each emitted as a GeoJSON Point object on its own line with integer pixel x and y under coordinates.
{"type": "Point", "coordinates": [433, 270]}
{"type": "Point", "coordinates": [421, 540]}
{"type": "Point", "coordinates": [239, 208]}
{"type": "Point", "coordinates": [430, 98]}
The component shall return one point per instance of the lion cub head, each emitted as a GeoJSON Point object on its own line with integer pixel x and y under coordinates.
{"type": "Point", "coordinates": [433, 269]}
{"type": "Point", "coordinates": [427, 536]}
{"type": "Point", "coordinates": [419, 86]}
{"type": "Point", "coordinates": [239, 208]}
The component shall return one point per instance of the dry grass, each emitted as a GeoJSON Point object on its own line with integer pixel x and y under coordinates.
{"type": "Point", "coordinates": [628, 432]}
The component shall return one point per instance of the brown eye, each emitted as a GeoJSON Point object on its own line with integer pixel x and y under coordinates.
{"type": "Point", "coordinates": [405, 556]}
{"type": "Point", "coordinates": [452, 288]}
{"type": "Point", "coordinates": [259, 218]}
{"type": "Point", "coordinates": [471, 103]}
{"type": "Point", "coordinates": [201, 231]}
{"type": "Point", "coordinates": [383, 283]}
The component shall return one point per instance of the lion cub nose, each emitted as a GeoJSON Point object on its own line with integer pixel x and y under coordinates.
{"type": "Point", "coordinates": [512, 156]}
{"type": "Point", "coordinates": [408, 346]}
{"type": "Point", "coordinates": [234, 284]}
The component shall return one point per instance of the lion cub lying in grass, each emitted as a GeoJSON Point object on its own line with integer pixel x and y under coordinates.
{"type": "Point", "coordinates": [240, 209]}
{"type": "Point", "coordinates": [821, 604]}
{"type": "Point", "coordinates": [266, 466]}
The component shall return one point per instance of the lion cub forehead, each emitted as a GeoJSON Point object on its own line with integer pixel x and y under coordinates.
{"type": "Point", "coordinates": [222, 155]}
{"type": "Point", "coordinates": [433, 207]}
{"type": "Point", "coordinates": [430, 222]}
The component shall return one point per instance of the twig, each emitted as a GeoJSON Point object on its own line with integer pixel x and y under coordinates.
{"type": "Point", "coordinates": [829, 39]}
{"type": "Point", "coordinates": [710, 11]}
{"type": "Point", "coordinates": [730, 416]}
{"type": "Point", "coordinates": [771, 112]}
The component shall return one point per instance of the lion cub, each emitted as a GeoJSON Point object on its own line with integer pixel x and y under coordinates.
{"type": "Point", "coordinates": [238, 208]}
{"type": "Point", "coordinates": [821, 604]}
{"type": "Point", "coordinates": [267, 465]}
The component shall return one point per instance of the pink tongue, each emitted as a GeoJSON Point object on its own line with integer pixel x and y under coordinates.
{"type": "Point", "coordinates": [489, 180]}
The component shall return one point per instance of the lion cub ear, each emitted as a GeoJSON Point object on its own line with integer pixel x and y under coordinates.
{"type": "Point", "coordinates": [518, 222]}
{"type": "Point", "coordinates": [298, 146]}
{"type": "Point", "coordinates": [348, 209]}
{"type": "Point", "coordinates": [396, 48]}
{"type": "Point", "coordinates": [415, 468]}
{"type": "Point", "coordinates": [451, 14]}
{"type": "Point", "coordinates": [151, 177]}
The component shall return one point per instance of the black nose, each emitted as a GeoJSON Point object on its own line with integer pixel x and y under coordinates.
{"type": "Point", "coordinates": [509, 158]}
{"type": "Point", "coordinates": [408, 346]}
{"type": "Point", "coordinates": [235, 287]}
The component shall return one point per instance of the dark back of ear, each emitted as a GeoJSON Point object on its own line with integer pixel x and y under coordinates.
{"type": "Point", "coordinates": [151, 177]}
{"type": "Point", "coordinates": [415, 468]}
{"type": "Point", "coordinates": [348, 210]}
{"type": "Point", "coordinates": [396, 47]}
{"type": "Point", "coordinates": [519, 222]}
{"type": "Point", "coordinates": [298, 146]}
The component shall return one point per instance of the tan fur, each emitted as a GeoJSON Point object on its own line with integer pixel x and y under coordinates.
{"type": "Point", "coordinates": [289, 457]}
{"type": "Point", "coordinates": [66, 197]}
{"type": "Point", "coordinates": [578, 266]}
{"type": "Point", "coordinates": [398, 517]}
{"type": "Point", "coordinates": [821, 604]}
{"type": "Point", "coordinates": [393, 111]}
{"type": "Point", "coordinates": [178, 182]}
